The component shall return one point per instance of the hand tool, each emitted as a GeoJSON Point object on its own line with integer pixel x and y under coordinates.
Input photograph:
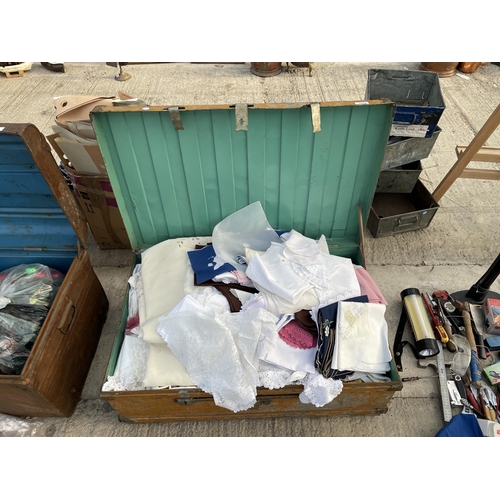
{"type": "Point", "coordinates": [452, 344]}
{"type": "Point", "coordinates": [454, 394]}
{"type": "Point", "coordinates": [440, 365]}
{"type": "Point", "coordinates": [438, 328]}
{"type": "Point", "coordinates": [449, 310]}
{"type": "Point", "coordinates": [472, 401]}
{"type": "Point", "coordinates": [476, 315]}
{"type": "Point", "coordinates": [475, 371]}
{"type": "Point", "coordinates": [412, 379]}
{"type": "Point", "coordinates": [492, 400]}
{"type": "Point", "coordinates": [461, 358]}
{"type": "Point", "coordinates": [489, 412]}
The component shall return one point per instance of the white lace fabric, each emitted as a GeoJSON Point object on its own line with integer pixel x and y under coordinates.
{"type": "Point", "coordinates": [130, 366]}
{"type": "Point", "coordinates": [319, 390]}
{"type": "Point", "coordinates": [221, 350]}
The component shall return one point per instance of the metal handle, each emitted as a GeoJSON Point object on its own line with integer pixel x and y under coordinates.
{"type": "Point", "coordinates": [67, 318]}
{"type": "Point", "coordinates": [414, 219]}
{"type": "Point", "coordinates": [261, 400]}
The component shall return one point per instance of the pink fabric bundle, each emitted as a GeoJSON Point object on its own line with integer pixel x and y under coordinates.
{"type": "Point", "coordinates": [368, 286]}
{"type": "Point", "coordinates": [294, 335]}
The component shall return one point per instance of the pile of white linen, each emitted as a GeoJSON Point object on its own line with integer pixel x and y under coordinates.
{"type": "Point", "coordinates": [194, 340]}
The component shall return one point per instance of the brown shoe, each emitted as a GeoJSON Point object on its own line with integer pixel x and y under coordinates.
{"type": "Point", "coordinates": [53, 66]}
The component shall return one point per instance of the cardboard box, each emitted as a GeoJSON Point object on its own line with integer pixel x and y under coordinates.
{"type": "Point", "coordinates": [72, 112]}
{"type": "Point", "coordinates": [85, 159]}
{"type": "Point", "coordinates": [96, 197]}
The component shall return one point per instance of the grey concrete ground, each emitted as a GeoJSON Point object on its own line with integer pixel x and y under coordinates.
{"type": "Point", "coordinates": [457, 248]}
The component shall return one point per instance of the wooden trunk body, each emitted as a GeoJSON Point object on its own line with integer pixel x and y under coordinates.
{"type": "Point", "coordinates": [53, 377]}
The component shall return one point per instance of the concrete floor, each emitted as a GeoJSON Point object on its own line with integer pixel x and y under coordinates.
{"type": "Point", "coordinates": [452, 253]}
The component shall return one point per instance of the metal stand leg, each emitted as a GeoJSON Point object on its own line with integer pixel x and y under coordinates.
{"type": "Point", "coordinates": [480, 291]}
{"type": "Point", "coordinates": [122, 76]}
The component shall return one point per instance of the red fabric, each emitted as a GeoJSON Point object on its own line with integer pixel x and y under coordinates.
{"type": "Point", "coordinates": [294, 335]}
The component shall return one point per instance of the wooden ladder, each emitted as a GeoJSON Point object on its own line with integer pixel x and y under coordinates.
{"type": "Point", "coordinates": [475, 151]}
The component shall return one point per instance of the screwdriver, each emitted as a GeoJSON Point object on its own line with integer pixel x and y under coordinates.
{"type": "Point", "coordinates": [411, 379]}
{"type": "Point", "coordinates": [438, 327]}
{"type": "Point", "coordinates": [452, 345]}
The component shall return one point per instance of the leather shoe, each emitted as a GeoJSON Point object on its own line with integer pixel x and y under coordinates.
{"type": "Point", "coordinates": [53, 66]}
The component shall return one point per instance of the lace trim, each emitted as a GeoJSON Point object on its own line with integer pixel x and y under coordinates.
{"type": "Point", "coordinates": [130, 367]}
{"type": "Point", "coordinates": [319, 390]}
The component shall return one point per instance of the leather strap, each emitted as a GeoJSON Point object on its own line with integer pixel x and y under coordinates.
{"type": "Point", "coordinates": [399, 343]}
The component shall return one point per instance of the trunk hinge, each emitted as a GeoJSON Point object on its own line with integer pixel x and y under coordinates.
{"type": "Point", "coordinates": [241, 116]}
{"type": "Point", "coordinates": [316, 117]}
{"type": "Point", "coordinates": [176, 117]}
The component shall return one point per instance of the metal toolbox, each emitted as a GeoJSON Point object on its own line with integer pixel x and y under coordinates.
{"type": "Point", "coordinates": [400, 179]}
{"type": "Point", "coordinates": [404, 150]}
{"type": "Point", "coordinates": [176, 172]}
{"type": "Point", "coordinates": [418, 98]}
{"type": "Point", "coordinates": [38, 221]}
{"type": "Point", "coordinates": [393, 213]}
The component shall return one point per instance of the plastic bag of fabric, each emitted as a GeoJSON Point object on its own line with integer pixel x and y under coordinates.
{"type": "Point", "coordinates": [17, 427]}
{"type": "Point", "coordinates": [29, 284]}
{"type": "Point", "coordinates": [19, 327]}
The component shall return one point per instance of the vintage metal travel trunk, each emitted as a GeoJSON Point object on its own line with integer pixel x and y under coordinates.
{"type": "Point", "coordinates": [38, 221]}
{"type": "Point", "coordinates": [177, 171]}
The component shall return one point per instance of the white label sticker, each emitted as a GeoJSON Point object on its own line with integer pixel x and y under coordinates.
{"type": "Point", "coordinates": [409, 130]}
{"type": "Point", "coordinates": [1, 128]}
{"type": "Point", "coordinates": [360, 103]}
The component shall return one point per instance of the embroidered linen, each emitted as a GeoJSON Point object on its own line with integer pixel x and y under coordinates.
{"type": "Point", "coordinates": [299, 265]}
{"type": "Point", "coordinates": [130, 366]}
{"type": "Point", "coordinates": [361, 342]}
{"type": "Point", "coordinates": [221, 350]}
{"type": "Point", "coordinates": [319, 390]}
{"type": "Point", "coordinates": [327, 323]}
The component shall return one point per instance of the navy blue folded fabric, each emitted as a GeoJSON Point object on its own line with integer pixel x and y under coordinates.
{"type": "Point", "coordinates": [461, 425]}
{"type": "Point", "coordinates": [204, 267]}
{"type": "Point", "coordinates": [327, 320]}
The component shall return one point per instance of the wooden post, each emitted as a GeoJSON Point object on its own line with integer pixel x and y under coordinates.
{"type": "Point", "coordinates": [468, 154]}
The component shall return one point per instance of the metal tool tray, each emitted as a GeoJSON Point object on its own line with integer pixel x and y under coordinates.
{"type": "Point", "coordinates": [38, 221]}
{"type": "Point", "coordinates": [404, 150]}
{"type": "Point", "coordinates": [178, 171]}
{"type": "Point", "coordinates": [418, 98]}
{"type": "Point", "coordinates": [393, 213]}
{"type": "Point", "coordinates": [400, 179]}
